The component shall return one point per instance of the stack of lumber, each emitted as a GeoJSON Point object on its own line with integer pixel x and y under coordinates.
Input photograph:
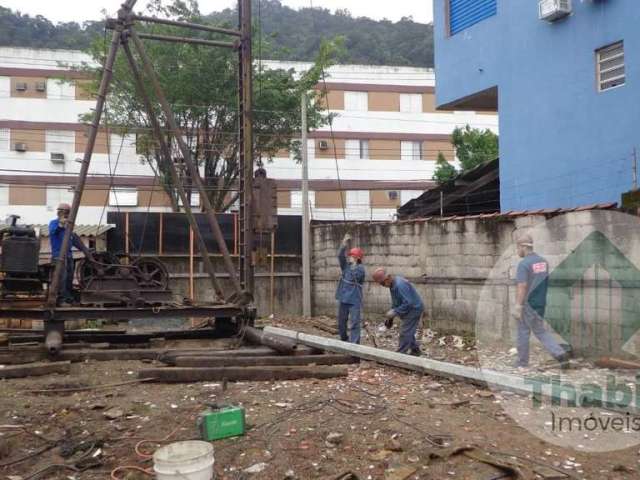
{"type": "Point", "coordinates": [278, 358]}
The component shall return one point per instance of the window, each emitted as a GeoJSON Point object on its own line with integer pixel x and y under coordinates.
{"type": "Point", "coordinates": [4, 139]}
{"type": "Point", "coordinates": [611, 69]}
{"type": "Point", "coordinates": [356, 149]}
{"type": "Point", "coordinates": [123, 197]}
{"type": "Point", "coordinates": [356, 101]}
{"type": "Point", "coordinates": [465, 13]}
{"type": "Point", "coordinates": [60, 141]}
{"type": "Point", "coordinates": [411, 150]}
{"type": "Point", "coordinates": [195, 199]}
{"type": "Point", "coordinates": [411, 103]}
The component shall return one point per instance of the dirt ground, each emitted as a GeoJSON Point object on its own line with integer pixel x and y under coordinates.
{"type": "Point", "coordinates": [379, 423]}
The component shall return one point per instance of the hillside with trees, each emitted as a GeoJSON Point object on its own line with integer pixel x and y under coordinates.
{"type": "Point", "coordinates": [286, 34]}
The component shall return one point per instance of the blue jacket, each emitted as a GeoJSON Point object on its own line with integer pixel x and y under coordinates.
{"type": "Point", "coordinates": [351, 281]}
{"type": "Point", "coordinates": [405, 298]}
{"type": "Point", "coordinates": [56, 234]}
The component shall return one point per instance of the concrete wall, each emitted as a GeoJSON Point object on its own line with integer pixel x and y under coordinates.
{"type": "Point", "coordinates": [465, 271]}
{"type": "Point", "coordinates": [562, 142]}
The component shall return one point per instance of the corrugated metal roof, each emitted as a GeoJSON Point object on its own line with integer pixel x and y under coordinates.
{"type": "Point", "coordinates": [81, 230]}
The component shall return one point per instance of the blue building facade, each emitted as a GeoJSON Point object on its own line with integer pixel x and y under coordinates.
{"type": "Point", "coordinates": [567, 91]}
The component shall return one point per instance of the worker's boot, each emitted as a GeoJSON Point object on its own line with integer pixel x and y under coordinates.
{"type": "Point", "coordinates": [416, 352]}
{"type": "Point", "coordinates": [563, 360]}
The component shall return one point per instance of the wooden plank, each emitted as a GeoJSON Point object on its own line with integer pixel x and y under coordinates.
{"type": "Point", "coordinates": [163, 354]}
{"type": "Point", "coordinates": [211, 362]}
{"type": "Point", "coordinates": [34, 369]}
{"type": "Point", "coordinates": [255, 374]}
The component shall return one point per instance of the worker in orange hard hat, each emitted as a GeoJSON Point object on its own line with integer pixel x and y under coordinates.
{"type": "Point", "coordinates": [406, 304]}
{"type": "Point", "coordinates": [349, 293]}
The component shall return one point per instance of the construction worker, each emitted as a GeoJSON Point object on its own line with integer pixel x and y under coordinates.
{"type": "Point", "coordinates": [406, 304]}
{"type": "Point", "coordinates": [57, 228]}
{"type": "Point", "coordinates": [349, 292]}
{"type": "Point", "coordinates": [531, 301]}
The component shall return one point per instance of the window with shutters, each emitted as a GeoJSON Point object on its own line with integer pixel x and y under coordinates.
{"type": "Point", "coordinates": [356, 149]}
{"type": "Point", "coordinates": [411, 150]}
{"type": "Point", "coordinates": [411, 103]}
{"type": "Point", "coordinates": [4, 139]}
{"type": "Point", "coordinates": [465, 13]}
{"type": "Point", "coordinates": [611, 68]}
{"type": "Point", "coordinates": [356, 101]}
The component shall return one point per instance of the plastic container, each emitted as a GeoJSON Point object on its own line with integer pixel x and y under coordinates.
{"type": "Point", "coordinates": [191, 460]}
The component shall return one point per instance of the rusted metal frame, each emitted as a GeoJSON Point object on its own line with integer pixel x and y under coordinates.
{"type": "Point", "coordinates": [193, 169]}
{"type": "Point", "coordinates": [194, 41]}
{"type": "Point", "coordinates": [245, 87]}
{"type": "Point", "coordinates": [86, 161]}
{"type": "Point", "coordinates": [192, 26]}
{"type": "Point", "coordinates": [175, 178]}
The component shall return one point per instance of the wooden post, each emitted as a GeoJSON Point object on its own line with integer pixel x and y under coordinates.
{"type": "Point", "coordinates": [160, 235]}
{"type": "Point", "coordinates": [272, 276]}
{"type": "Point", "coordinates": [192, 294]}
{"type": "Point", "coordinates": [126, 233]}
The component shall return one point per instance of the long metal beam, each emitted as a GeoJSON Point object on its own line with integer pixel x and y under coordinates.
{"type": "Point", "coordinates": [245, 87]}
{"type": "Point", "coordinates": [193, 169]}
{"type": "Point", "coordinates": [195, 41]}
{"type": "Point", "coordinates": [192, 26]}
{"type": "Point", "coordinates": [175, 178]}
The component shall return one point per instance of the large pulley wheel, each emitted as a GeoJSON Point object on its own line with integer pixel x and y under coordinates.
{"type": "Point", "coordinates": [104, 264]}
{"type": "Point", "coordinates": [151, 274]}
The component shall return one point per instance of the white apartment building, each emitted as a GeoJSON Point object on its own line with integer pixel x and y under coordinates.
{"type": "Point", "coordinates": [379, 153]}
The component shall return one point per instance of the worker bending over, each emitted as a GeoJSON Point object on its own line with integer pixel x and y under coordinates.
{"type": "Point", "coordinates": [349, 292]}
{"type": "Point", "coordinates": [406, 304]}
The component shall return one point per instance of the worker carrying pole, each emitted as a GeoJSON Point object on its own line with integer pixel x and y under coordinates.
{"type": "Point", "coordinates": [349, 293]}
{"type": "Point", "coordinates": [406, 304]}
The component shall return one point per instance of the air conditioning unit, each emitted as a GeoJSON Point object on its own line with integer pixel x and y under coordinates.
{"type": "Point", "coordinates": [57, 157]}
{"type": "Point", "coordinates": [20, 147]}
{"type": "Point", "coordinates": [393, 195]}
{"type": "Point", "coordinates": [21, 86]}
{"type": "Point", "coordinates": [41, 86]}
{"type": "Point", "coordinates": [323, 145]}
{"type": "Point", "coordinates": [552, 10]}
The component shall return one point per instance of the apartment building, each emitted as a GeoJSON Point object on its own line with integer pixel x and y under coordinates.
{"type": "Point", "coordinates": [564, 75]}
{"type": "Point", "coordinates": [379, 152]}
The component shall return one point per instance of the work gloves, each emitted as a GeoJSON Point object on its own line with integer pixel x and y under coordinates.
{"type": "Point", "coordinates": [346, 240]}
{"type": "Point", "coordinates": [389, 316]}
{"type": "Point", "coordinates": [517, 312]}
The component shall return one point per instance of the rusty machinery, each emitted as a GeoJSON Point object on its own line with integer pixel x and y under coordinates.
{"type": "Point", "coordinates": [237, 303]}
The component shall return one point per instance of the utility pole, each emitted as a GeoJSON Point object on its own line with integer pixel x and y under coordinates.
{"type": "Point", "coordinates": [635, 168]}
{"type": "Point", "coordinates": [306, 234]}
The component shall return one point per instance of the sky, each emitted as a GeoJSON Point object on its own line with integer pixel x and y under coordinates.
{"type": "Point", "coordinates": [75, 10]}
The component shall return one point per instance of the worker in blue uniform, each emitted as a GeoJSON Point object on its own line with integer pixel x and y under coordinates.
{"type": "Point", "coordinates": [349, 293]}
{"type": "Point", "coordinates": [532, 278]}
{"type": "Point", "coordinates": [406, 304]}
{"type": "Point", "coordinates": [57, 228]}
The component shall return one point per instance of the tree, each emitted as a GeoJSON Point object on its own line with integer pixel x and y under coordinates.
{"type": "Point", "coordinates": [200, 84]}
{"type": "Point", "coordinates": [444, 170]}
{"type": "Point", "coordinates": [473, 147]}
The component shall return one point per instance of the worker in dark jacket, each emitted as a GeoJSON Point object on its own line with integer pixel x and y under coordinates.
{"type": "Point", "coordinates": [406, 304]}
{"type": "Point", "coordinates": [349, 292]}
{"type": "Point", "coordinates": [57, 228]}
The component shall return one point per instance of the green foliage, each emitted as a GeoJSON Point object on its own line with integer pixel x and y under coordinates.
{"type": "Point", "coordinates": [17, 30]}
{"type": "Point", "coordinates": [474, 146]}
{"type": "Point", "coordinates": [200, 83]}
{"type": "Point", "coordinates": [287, 34]}
{"type": "Point", "coordinates": [444, 170]}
